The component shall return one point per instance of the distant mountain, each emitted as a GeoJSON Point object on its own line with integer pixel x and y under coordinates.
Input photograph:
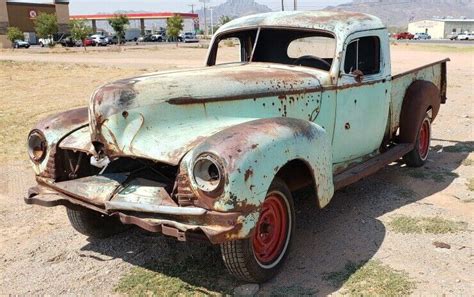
{"type": "Point", "coordinates": [232, 9]}
{"type": "Point", "coordinates": [398, 13]}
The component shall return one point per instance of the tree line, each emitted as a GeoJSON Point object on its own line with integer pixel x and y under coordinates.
{"type": "Point", "coordinates": [46, 25]}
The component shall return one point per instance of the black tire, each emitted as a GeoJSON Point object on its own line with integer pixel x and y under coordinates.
{"type": "Point", "coordinates": [239, 256]}
{"type": "Point", "coordinates": [94, 224]}
{"type": "Point", "coordinates": [418, 156]}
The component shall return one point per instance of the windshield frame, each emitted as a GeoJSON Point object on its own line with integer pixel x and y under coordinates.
{"type": "Point", "coordinates": [213, 49]}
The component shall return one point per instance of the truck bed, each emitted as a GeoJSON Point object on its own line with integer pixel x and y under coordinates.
{"type": "Point", "coordinates": [434, 72]}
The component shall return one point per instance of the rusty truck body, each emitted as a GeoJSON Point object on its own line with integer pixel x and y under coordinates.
{"type": "Point", "coordinates": [286, 100]}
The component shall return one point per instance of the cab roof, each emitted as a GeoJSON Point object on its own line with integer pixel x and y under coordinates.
{"type": "Point", "coordinates": [341, 23]}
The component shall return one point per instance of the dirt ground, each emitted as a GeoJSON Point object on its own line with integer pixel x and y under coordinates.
{"type": "Point", "coordinates": [41, 254]}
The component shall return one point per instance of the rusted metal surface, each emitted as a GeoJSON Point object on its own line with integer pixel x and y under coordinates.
{"type": "Point", "coordinates": [340, 23]}
{"type": "Point", "coordinates": [93, 189]}
{"type": "Point", "coordinates": [371, 166]}
{"type": "Point", "coordinates": [138, 97]}
{"type": "Point", "coordinates": [79, 140]}
{"type": "Point", "coordinates": [420, 97]}
{"type": "Point", "coordinates": [54, 128]}
{"type": "Point", "coordinates": [214, 225]}
{"type": "Point", "coordinates": [250, 122]}
{"type": "Point", "coordinates": [433, 72]}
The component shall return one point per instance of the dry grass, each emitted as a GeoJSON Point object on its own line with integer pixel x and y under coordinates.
{"type": "Point", "coordinates": [184, 276]}
{"type": "Point", "coordinates": [420, 225]}
{"type": "Point", "coordinates": [31, 91]}
{"type": "Point", "coordinates": [372, 279]}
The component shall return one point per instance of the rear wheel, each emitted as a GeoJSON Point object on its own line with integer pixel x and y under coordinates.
{"type": "Point", "coordinates": [418, 156]}
{"type": "Point", "coordinates": [94, 224]}
{"type": "Point", "coordinates": [258, 258]}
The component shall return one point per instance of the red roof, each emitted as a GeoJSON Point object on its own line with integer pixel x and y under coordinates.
{"type": "Point", "coordinates": [147, 15]}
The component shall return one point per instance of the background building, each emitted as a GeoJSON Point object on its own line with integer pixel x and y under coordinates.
{"type": "Point", "coordinates": [441, 28]}
{"type": "Point", "coordinates": [21, 14]}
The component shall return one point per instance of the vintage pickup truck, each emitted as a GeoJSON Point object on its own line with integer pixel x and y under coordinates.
{"type": "Point", "coordinates": [286, 100]}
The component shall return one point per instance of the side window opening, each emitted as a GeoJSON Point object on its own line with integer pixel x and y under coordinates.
{"type": "Point", "coordinates": [230, 51]}
{"type": "Point", "coordinates": [363, 54]}
{"type": "Point", "coordinates": [235, 47]}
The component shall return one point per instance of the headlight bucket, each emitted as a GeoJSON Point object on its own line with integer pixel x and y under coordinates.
{"type": "Point", "coordinates": [208, 175]}
{"type": "Point", "coordinates": [37, 146]}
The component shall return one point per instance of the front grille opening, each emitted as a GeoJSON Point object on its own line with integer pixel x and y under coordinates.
{"type": "Point", "coordinates": [147, 169]}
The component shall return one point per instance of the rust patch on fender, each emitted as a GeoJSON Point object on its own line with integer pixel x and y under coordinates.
{"type": "Point", "coordinates": [248, 174]}
{"type": "Point", "coordinates": [76, 117]}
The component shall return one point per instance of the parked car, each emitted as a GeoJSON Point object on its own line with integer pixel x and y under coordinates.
{"type": "Point", "coordinates": [404, 35]}
{"type": "Point", "coordinates": [114, 40]}
{"type": "Point", "coordinates": [188, 37]}
{"type": "Point", "coordinates": [158, 37]}
{"type": "Point", "coordinates": [145, 38]}
{"type": "Point", "coordinates": [421, 36]}
{"type": "Point", "coordinates": [89, 42]}
{"type": "Point", "coordinates": [465, 36]}
{"type": "Point", "coordinates": [453, 36]}
{"type": "Point", "coordinates": [99, 40]}
{"type": "Point", "coordinates": [21, 43]}
{"type": "Point", "coordinates": [45, 41]}
{"type": "Point", "coordinates": [220, 152]}
{"type": "Point", "coordinates": [69, 42]}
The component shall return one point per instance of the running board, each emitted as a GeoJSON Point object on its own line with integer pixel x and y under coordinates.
{"type": "Point", "coordinates": [371, 166]}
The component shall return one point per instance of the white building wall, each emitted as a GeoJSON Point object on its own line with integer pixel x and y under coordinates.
{"type": "Point", "coordinates": [433, 28]}
{"type": "Point", "coordinates": [459, 27]}
{"type": "Point", "coordinates": [441, 28]}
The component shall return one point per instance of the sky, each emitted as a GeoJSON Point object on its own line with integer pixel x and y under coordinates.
{"type": "Point", "coordinates": [91, 6]}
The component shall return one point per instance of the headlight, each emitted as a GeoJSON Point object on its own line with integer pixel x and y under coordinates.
{"type": "Point", "coordinates": [208, 175]}
{"type": "Point", "coordinates": [36, 146]}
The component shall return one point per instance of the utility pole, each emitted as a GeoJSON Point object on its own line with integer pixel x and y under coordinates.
{"type": "Point", "coordinates": [192, 7]}
{"type": "Point", "coordinates": [282, 5]}
{"type": "Point", "coordinates": [295, 6]}
{"type": "Point", "coordinates": [205, 17]}
{"type": "Point", "coordinates": [212, 21]}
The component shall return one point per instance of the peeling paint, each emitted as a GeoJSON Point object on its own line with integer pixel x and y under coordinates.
{"type": "Point", "coordinates": [250, 120]}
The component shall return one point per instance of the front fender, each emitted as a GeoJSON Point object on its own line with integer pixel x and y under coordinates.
{"type": "Point", "coordinates": [54, 128]}
{"type": "Point", "coordinates": [252, 153]}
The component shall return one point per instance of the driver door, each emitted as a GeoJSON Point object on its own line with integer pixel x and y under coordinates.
{"type": "Point", "coordinates": [363, 91]}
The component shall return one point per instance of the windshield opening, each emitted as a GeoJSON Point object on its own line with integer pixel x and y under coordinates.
{"type": "Point", "coordinates": [283, 46]}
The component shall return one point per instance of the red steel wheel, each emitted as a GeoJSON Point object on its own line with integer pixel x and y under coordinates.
{"type": "Point", "coordinates": [417, 157]}
{"type": "Point", "coordinates": [271, 233]}
{"type": "Point", "coordinates": [260, 256]}
{"type": "Point", "coordinates": [424, 139]}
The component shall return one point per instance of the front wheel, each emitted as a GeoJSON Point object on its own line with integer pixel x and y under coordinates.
{"type": "Point", "coordinates": [418, 156]}
{"type": "Point", "coordinates": [259, 258]}
{"type": "Point", "coordinates": [94, 224]}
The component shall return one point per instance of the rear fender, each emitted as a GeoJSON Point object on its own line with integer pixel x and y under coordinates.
{"type": "Point", "coordinates": [420, 96]}
{"type": "Point", "coordinates": [252, 153]}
